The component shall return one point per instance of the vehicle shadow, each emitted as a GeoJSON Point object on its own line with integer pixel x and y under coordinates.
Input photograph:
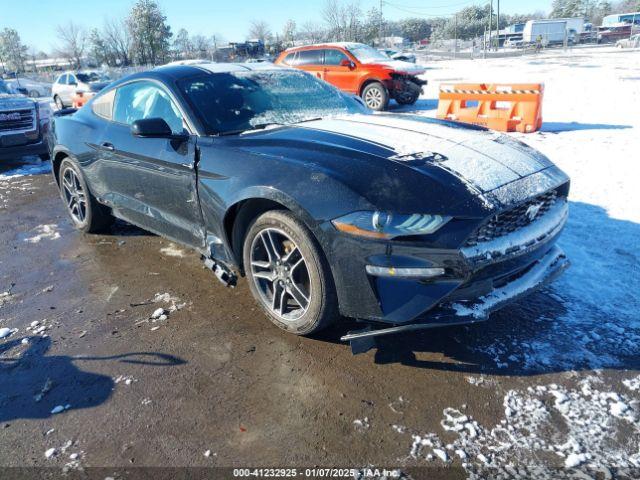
{"type": "Point", "coordinates": [588, 319]}
{"type": "Point", "coordinates": [557, 127]}
{"type": "Point", "coordinates": [120, 228]}
{"type": "Point", "coordinates": [34, 383]}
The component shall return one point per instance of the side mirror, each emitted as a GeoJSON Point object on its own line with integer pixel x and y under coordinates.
{"type": "Point", "coordinates": [155, 128]}
{"type": "Point", "coordinates": [347, 63]}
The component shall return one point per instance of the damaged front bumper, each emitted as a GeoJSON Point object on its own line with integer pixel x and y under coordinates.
{"type": "Point", "coordinates": [540, 273]}
{"type": "Point", "coordinates": [406, 87]}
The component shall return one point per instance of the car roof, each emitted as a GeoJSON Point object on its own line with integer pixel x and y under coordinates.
{"type": "Point", "coordinates": [217, 67]}
{"type": "Point", "coordinates": [179, 72]}
{"type": "Point", "coordinates": [345, 45]}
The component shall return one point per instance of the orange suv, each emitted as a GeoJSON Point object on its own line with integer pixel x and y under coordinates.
{"type": "Point", "coordinates": [359, 69]}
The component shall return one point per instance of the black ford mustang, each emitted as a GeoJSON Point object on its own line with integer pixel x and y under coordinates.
{"type": "Point", "coordinates": [402, 221]}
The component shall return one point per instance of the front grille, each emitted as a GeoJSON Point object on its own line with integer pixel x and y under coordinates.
{"type": "Point", "coordinates": [511, 220]}
{"type": "Point", "coordinates": [17, 120]}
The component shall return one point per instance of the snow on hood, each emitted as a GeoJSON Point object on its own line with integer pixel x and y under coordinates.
{"type": "Point", "coordinates": [14, 102]}
{"type": "Point", "coordinates": [484, 159]}
{"type": "Point", "coordinates": [399, 66]}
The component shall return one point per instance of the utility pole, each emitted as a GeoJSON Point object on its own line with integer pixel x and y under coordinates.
{"type": "Point", "coordinates": [380, 26]}
{"type": "Point", "coordinates": [490, 21]}
{"type": "Point", "coordinates": [455, 35]}
{"type": "Point", "coordinates": [498, 24]}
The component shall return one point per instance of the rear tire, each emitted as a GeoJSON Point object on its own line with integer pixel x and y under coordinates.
{"type": "Point", "coordinates": [375, 96]}
{"type": "Point", "coordinates": [86, 213]}
{"type": "Point", "coordinates": [285, 266]}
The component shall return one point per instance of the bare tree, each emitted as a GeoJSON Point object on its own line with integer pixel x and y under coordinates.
{"type": "Point", "coordinates": [289, 33]}
{"type": "Point", "coordinates": [201, 46]}
{"type": "Point", "coordinates": [117, 39]}
{"type": "Point", "coordinates": [312, 33]}
{"type": "Point", "coordinates": [259, 30]}
{"type": "Point", "coordinates": [343, 20]}
{"type": "Point", "coordinates": [73, 40]}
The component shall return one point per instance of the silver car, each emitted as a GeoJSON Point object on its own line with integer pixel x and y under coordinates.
{"type": "Point", "coordinates": [631, 42]}
{"type": "Point", "coordinates": [67, 84]}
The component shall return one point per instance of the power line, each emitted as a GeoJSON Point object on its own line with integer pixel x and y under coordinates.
{"type": "Point", "coordinates": [419, 14]}
{"type": "Point", "coordinates": [423, 14]}
{"type": "Point", "coordinates": [433, 7]}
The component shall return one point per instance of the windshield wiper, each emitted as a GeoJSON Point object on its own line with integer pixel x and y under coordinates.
{"type": "Point", "coordinates": [309, 120]}
{"type": "Point", "coordinates": [258, 126]}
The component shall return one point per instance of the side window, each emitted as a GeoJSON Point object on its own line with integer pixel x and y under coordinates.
{"type": "Point", "coordinates": [334, 57]}
{"type": "Point", "coordinates": [102, 106]}
{"type": "Point", "coordinates": [290, 59]}
{"type": "Point", "coordinates": [63, 79]}
{"type": "Point", "coordinates": [140, 100]}
{"type": "Point", "coordinates": [71, 80]}
{"type": "Point", "coordinates": [309, 57]}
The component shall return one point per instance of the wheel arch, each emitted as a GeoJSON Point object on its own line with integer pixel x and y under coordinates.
{"type": "Point", "coordinates": [56, 161]}
{"type": "Point", "coordinates": [242, 212]}
{"type": "Point", "coordinates": [368, 82]}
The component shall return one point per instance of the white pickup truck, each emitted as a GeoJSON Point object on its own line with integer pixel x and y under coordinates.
{"type": "Point", "coordinates": [24, 125]}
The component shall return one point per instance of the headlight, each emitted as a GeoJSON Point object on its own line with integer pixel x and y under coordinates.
{"type": "Point", "coordinates": [387, 225]}
{"type": "Point", "coordinates": [44, 111]}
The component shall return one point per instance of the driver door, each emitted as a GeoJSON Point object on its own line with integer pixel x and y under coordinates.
{"type": "Point", "coordinates": [340, 70]}
{"type": "Point", "coordinates": [151, 181]}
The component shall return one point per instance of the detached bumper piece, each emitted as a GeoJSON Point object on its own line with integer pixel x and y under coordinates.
{"type": "Point", "coordinates": [539, 274]}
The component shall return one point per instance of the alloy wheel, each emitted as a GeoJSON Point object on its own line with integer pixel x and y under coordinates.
{"type": "Point", "coordinates": [280, 273]}
{"type": "Point", "coordinates": [74, 195]}
{"type": "Point", "coordinates": [373, 98]}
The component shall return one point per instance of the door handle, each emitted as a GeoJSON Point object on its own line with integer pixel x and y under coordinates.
{"type": "Point", "coordinates": [108, 146]}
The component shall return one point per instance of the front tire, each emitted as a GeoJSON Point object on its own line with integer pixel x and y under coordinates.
{"type": "Point", "coordinates": [407, 99]}
{"type": "Point", "coordinates": [288, 274]}
{"type": "Point", "coordinates": [58, 101]}
{"type": "Point", "coordinates": [86, 213]}
{"type": "Point", "coordinates": [375, 96]}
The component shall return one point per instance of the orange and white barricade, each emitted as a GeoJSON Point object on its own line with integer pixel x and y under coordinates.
{"type": "Point", "coordinates": [513, 107]}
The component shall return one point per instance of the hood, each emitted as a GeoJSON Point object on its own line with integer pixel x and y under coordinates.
{"type": "Point", "coordinates": [399, 66]}
{"type": "Point", "coordinates": [395, 160]}
{"type": "Point", "coordinates": [14, 102]}
{"type": "Point", "coordinates": [485, 160]}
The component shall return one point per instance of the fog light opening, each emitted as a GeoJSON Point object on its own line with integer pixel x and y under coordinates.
{"type": "Point", "coordinates": [401, 272]}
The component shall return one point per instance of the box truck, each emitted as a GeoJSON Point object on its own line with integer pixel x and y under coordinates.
{"type": "Point", "coordinates": [549, 31]}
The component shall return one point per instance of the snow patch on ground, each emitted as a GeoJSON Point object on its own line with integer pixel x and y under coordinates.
{"type": "Point", "coordinates": [172, 251]}
{"type": "Point", "coordinates": [48, 232]}
{"type": "Point", "coordinates": [31, 166]}
{"type": "Point", "coordinates": [544, 427]}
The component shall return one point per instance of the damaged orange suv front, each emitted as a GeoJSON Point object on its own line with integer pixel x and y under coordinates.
{"type": "Point", "coordinates": [361, 70]}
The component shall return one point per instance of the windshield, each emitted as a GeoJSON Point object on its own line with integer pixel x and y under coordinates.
{"type": "Point", "coordinates": [91, 77]}
{"type": "Point", "coordinates": [236, 101]}
{"type": "Point", "coordinates": [4, 88]}
{"type": "Point", "coordinates": [366, 54]}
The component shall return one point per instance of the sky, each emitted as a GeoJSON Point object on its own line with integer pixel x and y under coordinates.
{"type": "Point", "coordinates": [36, 20]}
